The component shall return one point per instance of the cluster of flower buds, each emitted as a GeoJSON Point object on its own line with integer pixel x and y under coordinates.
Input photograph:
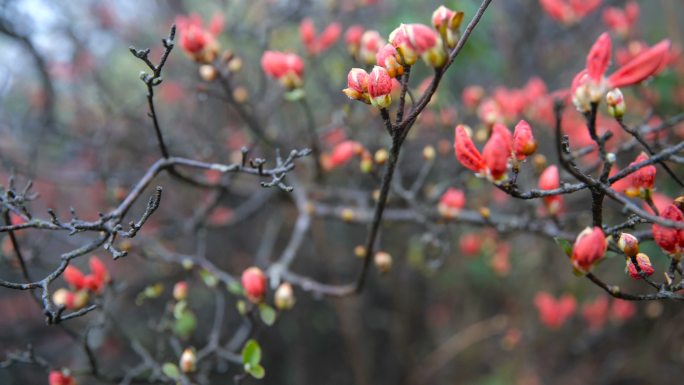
{"type": "Point", "coordinates": [418, 40]}
{"type": "Point", "coordinates": [447, 22]}
{"type": "Point", "coordinates": [670, 239]}
{"type": "Point", "coordinates": [550, 180]}
{"type": "Point", "coordinates": [621, 20]}
{"type": "Point", "coordinates": [254, 283]}
{"type": "Point", "coordinates": [451, 203]}
{"type": "Point", "coordinates": [591, 84]}
{"type": "Point", "coordinates": [374, 88]}
{"type": "Point", "coordinates": [197, 41]}
{"type": "Point", "coordinates": [81, 285]}
{"type": "Point", "coordinates": [569, 12]}
{"type": "Point", "coordinates": [501, 148]}
{"type": "Point", "coordinates": [589, 248]}
{"type": "Point", "coordinates": [288, 68]}
{"type": "Point", "coordinates": [314, 44]}
{"type": "Point", "coordinates": [61, 377]}
{"type": "Point", "coordinates": [506, 105]}
{"type": "Point", "coordinates": [640, 183]}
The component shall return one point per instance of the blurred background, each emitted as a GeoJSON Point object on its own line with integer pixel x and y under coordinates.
{"type": "Point", "coordinates": [73, 119]}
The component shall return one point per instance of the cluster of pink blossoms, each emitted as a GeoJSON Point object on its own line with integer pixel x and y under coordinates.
{"type": "Point", "coordinates": [286, 67]}
{"type": "Point", "coordinates": [405, 45]}
{"type": "Point", "coordinates": [198, 41]}
{"type": "Point", "coordinates": [555, 312]}
{"type": "Point", "coordinates": [316, 44]}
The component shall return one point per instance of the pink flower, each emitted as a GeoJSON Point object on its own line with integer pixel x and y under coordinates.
{"type": "Point", "coordinates": [466, 152]}
{"type": "Point", "coordinates": [596, 313]}
{"type": "Point", "coordinates": [288, 68]}
{"type": "Point", "coordinates": [352, 38]}
{"type": "Point", "coordinates": [371, 41]}
{"type": "Point", "coordinates": [619, 20]}
{"type": "Point", "coordinates": [318, 44]}
{"type": "Point", "coordinates": [469, 245]}
{"type": "Point", "coordinates": [496, 154]}
{"type": "Point", "coordinates": [554, 312]}
{"type": "Point", "coordinates": [472, 95]}
{"type": "Point", "coordinates": [197, 41]}
{"type": "Point", "coordinates": [589, 248]}
{"type": "Point", "coordinates": [669, 239]}
{"type": "Point", "coordinates": [451, 202]}
{"type": "Point", "coordinates": [307, 34]}
{"type": "Point", "coordinates": [343, 153]}
{"type": "Point", "coordinates": [569, 11]}
{"type": "Point", "coordinates": [524, 144]}
{"type": "Point", "coordinates": [622, 310]}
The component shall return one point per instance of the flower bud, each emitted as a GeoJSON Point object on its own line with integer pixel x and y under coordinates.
{"type": "Point", "coordinates": [381, 156]}
{"type": "Point", "coordinates": [180, 291]}
{"type": "Point", "coordinates": [357, 85]}
{"type": "Point", "coordinates": [451, 203]}
{"type": "Point", "coordinates": [208, 72]}
{"type": "Point", "coordinates": [550, 180]}
{"type": "Point", "coordinates": [447, 22]}
{"type": "Point", "coordinates": [235, 64]}
{"type": "Point", "coordinates": [352, 38]}
{"type": "Point", "coordinates": [284, 297]}
{"type": "Point", "coordinates": [670, 239]}
{"type": "Point", "coordinates": [496, 154]}
{"type": "Point", "coordinates": [188, 361]}
{"type": "Point", "coordinates": [524, 144]}
{"type": "Point", "coordinates": [429, 153]}
{"type": "Point", "coordinates": [383, 261]}
{"type": "Point", "coordinates": [371, 41]}
{"type": "Point", "coordinates": [616, 103]}
{"type": "Point", "coordinates": [644, 264]}
{"type": "Point", "coordinates": [254, 283]}
{"type": "Point", "coordinates": [629, 244]}
{"type": "Point", "coordinates": [589, 248]}
{"type": "Point", "coordinates": [466, 152]}
{"type": "Point", "coordinates": [74, 277]}
{"type": "Point", "coordinates": [360, 251]}
{"type": "Point", "coordinates": [387, 59]}
{"type": "Point", "coordinates": [379, 87]}
{"type": "Point", "coordinates": [640, 183]}
{"type": "Point", "coordinates": [61, 377]}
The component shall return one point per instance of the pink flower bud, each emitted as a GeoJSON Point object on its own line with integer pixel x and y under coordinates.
{"type": "Point", "coordinates": [343, 153]}
{"type": "Point", "coordinates": [400, 40]}
{"type": "Point", "coordinates": [307, 34]}
{"type": "Point", "coordinates": [472, 95]}
{"type": "Point", "coordinates": [74, 277]}
{"type": "Point", "coordinates": [670, 239]}
{"type": "Point", "coordinates": [596, 313]}
{"type": "Point", "coordinates": [357, 85]}
{"type": "Point", "coordinates": [379, 87]}
{"type": "Point", "coordinates": [589, 248]}
{"type": "Point", "coordinates": [524, 144]}
{"type": "Point", "coordinates": [622, 310]}
{"type": "Point", "coordinates": [496, 153]}
{"type": "Point", "coordinates": [469, 245]}
{"type": "Point", "coordinates": [371, 41]}
{"type": "Point", "coordinates": [644, 266]}
{"type": "Point", "coordinates": [352, 38]}
{"type": "Point", "coordinates": [180, 291]}
{"type": "Point", "coordinates": [598, 58]}
{"type": "Point", "coordinates": [447, 22]}
{"type": "Point", "coordinates": [288, 68]}
{"type": "Point", "coordinates": [387, 58]}
{"type": "Point", "coordinates": [328, 37]}
{"type": "Point", "coordinates": [451, 202]}
{"type": "Point", "coordinates": [616, 103]}
{"type": "Point", "coordinates": [553, 313]}
{"type": "Point", "coordinates": [254, 283]}
{"type": "Point", "coordinates": [466, 152]}
{"type": "Point", "coordinates": [550, 180]}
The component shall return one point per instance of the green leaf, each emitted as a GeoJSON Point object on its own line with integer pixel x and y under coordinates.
{"type": "Point", "coordinates": [152, 291]}
{"type": "Point", "coordinates": [179, 309]}
{"type": "Point", "coordinates": [241, 307]}
{"type": "Point", "coordinates": [267, 314]}
{"type": "Point", "coordinates": [294, 95]}
{"type": "Point", "coordinates": [256, 371]}
{"type": "Point", "coordinates": [185, 325]}
{"type": "Point", "coordinates": [565, 245]}
{"type": "Point", "coordinates": [235, 288]}
{"type": "Point", "coordinates": [208, 278]}
{"type": "Point", "coordinates": [251, 354]}
{"type": "Point", "coordinates": [170, 370]}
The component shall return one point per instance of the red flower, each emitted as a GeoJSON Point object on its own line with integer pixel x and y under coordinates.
{"type": "Point", "coordinates": [57, 377]}
{"type": "Point", "coordinates": [317, 44]}
{"type": "Point", "coordinates": [569, 11]}
{"type": "Point", "coordinates": [640, 183]}
{"type": "Point", "coordinates": [254, 283]}
{"type": "Point", "coordinates": [524, 144]}
{"type": "Point", "coordinates": [451, 202]}
{"type": "Point", "coordinates": [622, 310]}
{"type": "Point", "coordinates": [328, 37]}
{"type": "Point", "coordinates": [196, 40]}
{"type": "Point", "coordinates": [621, 21]}
{"type": "Point", "coordinates": [589, 248]}
{"type": "Point", "coordinates": [469, 244]}
{"type": "Point", "coordinates": [74, 277]}
{"type": "Point", "coordinates": [380, 87]}
{"type": "Point", "coordinates": [670, 239]}
{"type": "Point", "coordinates": [596, 313]}
{"type": "Point", "coordinates": [307, 33]}
{"type": "Point", "coordinates": [466, 152]}
{"type": "Point", "coordinates": [553, 313]}
{"type": "Point", "coordinates": [343, 153]}
{"type": "Point", "coordinates": [644, 264]}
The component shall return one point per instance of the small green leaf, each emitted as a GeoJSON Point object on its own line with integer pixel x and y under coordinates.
{"type": "Point", "coordinates": [294, 95]}
{"type": "Point", "coordinates": [267, 314]}
{"type": "Point", "coordinates": [179, 309]}
{"type": "Point", "coordinates": [170, 370]}
{"type": "Point", "coordinates": [565, 245]}
{"type": "Point", "coordinates": [241, 307]}
{"type": "Point", "coordinates": [208, 278]}
{"type": "Point", "coordinates": [251, 354]}
{"type": "Point", "coordinates": [185, 325]}
{"type": "Point", "coordinates": [235, 288]}
{"type": "Point", "coordinates": [257, 371]}
{"type": "Point", "coordinates": [152, 291]}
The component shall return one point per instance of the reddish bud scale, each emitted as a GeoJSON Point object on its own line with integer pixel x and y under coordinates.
{"type": "Point", "coordinates": [644, 265]}
{"type": "Point", "coordinates": [466, 152]}
{"type": "Point", "coordinates": [589, 248]}
{"type": "Point", "coordinates": [670, 239]}
{"type": "Point", "coordinates": [254, 282]}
